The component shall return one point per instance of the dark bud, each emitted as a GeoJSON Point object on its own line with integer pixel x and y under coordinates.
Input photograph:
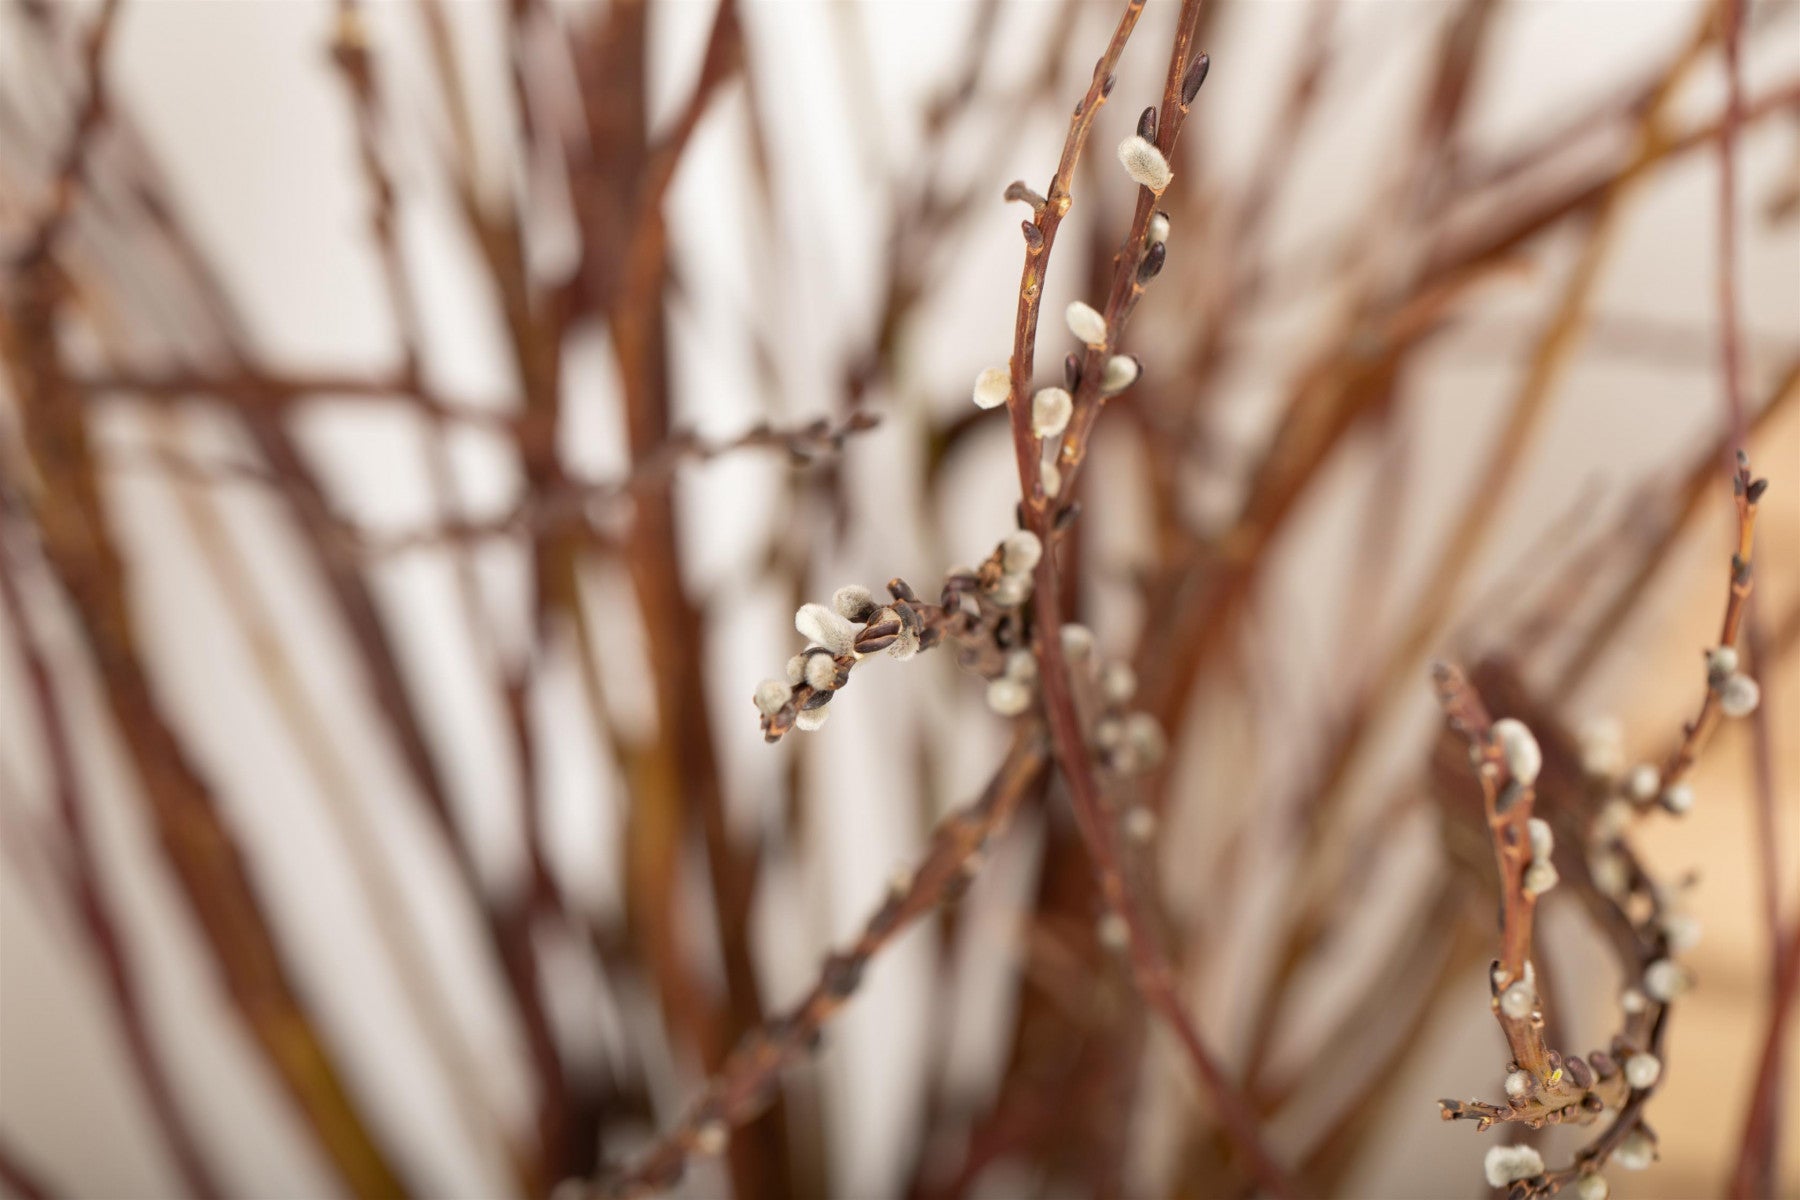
{"type": "Point", "coordinates": [879, 630]}
{"type": "Point", "coordinates": [930, 636]}
{"type": "Point", "coordinates": [1743, 461]}
{"type": "Point", "coordinates": [1509, 796]}
{"type": "Point", "coordinates": [861, 420]}
{"type": "Point", "coordinates": [842, 974]}
{"type": "Point", "coordinates": [1034, 237]}
{"type": "Point", "coordinates": [1152, 265]}
{"type": "Point", "coordinates": [1196, 75]}
{"type": "Point", "coordinates": [1756, 490]}
{"type": "Point", "coordinates": [901, 590]}
{"type": "Point", "coordinates": [1579, 1074]}
{"type": "Point", "coordinates": [1072, 372]}
{"type": "Point", "coordinates": [886, 917]}
{"type": "Point", "coordinates": [909, 616]}
{"type": "Point", "coordinates": [1018, 189]}
{"type": "Point", "coordinates": [879, 642]}
{"type": "Point", "coordinates": [1147, 124]}
{"type": "Point", "coordinates": [1603, 1064]}
{"type": "Point", "coordinates": [1067, 517]}
{"type": "Point", "coordinates": [818, 700]}
{"type": "Point", "coordinates": [1106, 85]}
{"type": "Point", "coordinates": [1593, 1103]}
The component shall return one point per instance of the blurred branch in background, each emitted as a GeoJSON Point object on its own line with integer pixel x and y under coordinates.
{"type": "Point", "coordinates": [504, 577]}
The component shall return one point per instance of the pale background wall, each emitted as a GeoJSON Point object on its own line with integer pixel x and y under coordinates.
{"type": "Point", "coordinates": [239, 102]}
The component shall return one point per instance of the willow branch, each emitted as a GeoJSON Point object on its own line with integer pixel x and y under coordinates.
{"type": "Point", "coordinates": [749, 1076]}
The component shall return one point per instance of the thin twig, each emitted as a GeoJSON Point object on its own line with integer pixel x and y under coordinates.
{"type": "Point", "coordinates": [747, 1079]}
{"type": "Point", "coordinates": [1151, 970]}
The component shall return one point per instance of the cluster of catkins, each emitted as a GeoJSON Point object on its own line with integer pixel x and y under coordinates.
{"type": "Point", "coordinates": [854, 626]}
{"type": "Point", "coordinates": [978, 609]}
{"type": "Point", "coordinates": [1053, 407]}
{"type": "Point", "coordinates": [1631, 793]}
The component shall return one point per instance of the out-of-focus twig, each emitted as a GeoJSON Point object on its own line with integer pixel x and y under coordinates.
{"type": "Point", "coordinates": [744, 1084]}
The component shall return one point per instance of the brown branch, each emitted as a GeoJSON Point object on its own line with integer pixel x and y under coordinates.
{"type": "Point", "coordinates": [1758, 1154]}
{"type": "Point", "coordinates": [1746, 492]}
{"type": "Point", "coordinates": [1701, 478]}
{"type": "Point", "coordinates": [1151, 971]}
{"type": "Point", "coordinates": [749, 1076]}
{"type": "Point", "coordinates": [82, 879]}
{"type": "Point", "coordinates": [23, 1177]}
{"type": "Point", "coordinates": [90, 117]}
{"type": "Point", "coordinates": [1550, 1090]}
{"type": "Point", "coordinates": [1760, 1142]}
{"type": "Point", "coordinates": [201, 850]}
{"type": "Point", "coordinates": [1040, 239]}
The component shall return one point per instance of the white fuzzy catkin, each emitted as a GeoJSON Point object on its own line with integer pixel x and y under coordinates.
{"type": "Point", "coordinates": [1086, 323]}
{"type": "Point", "coordinates": [811, 719]}
{"type": "Point", "coordinates": [1609, 873]}
{"type": "Point", "coordinates": [822, 627]}
{"type": "Point", "coordinates": [796, 670]}
{"type": "Point", "coordinates": [1636, 1152]}
{"type": "Point", "coordinates": [1664, 980]}
{"type": "Point", "coordinates": [771, 694]}
{"type": "Point", "coordinates": [1077, 640]}
{"type": "Point", "coordinates": [992, 387]}
{"type": "Point", "coordinates": [1145, 163]}
{"type": "Point", "coordinates": [1140, 823]}
{"type": "Point", "coordinates": [1721, 662]}
{"type": "Point", "coordinates": [821, 672]}
{"type": "Point", "coordinates": [1145, 738]}
{"type": "Point", "coordinates": [1518, 1084]}
{"type": "Point", "coordinates": [1008, 697]}
{"type": "Point", "coordinates": [1158, 230]}
{"type": "Point", "coordinates": [711, 1138]}
{"type": "Point", "coordinates": [1739, 696]}
{"type": "Point", "coordinates": [1022, 665]}
{"type": "Point", "coordinates": [1051, 409]}
{"type": "Point", "coordinates": [1592, 1187]}
{"type": "Point", "coordinates": [1603, 747]}
{"type": "Point", "coordinates": [1682, 931]}
{"type": "Point", "coordinates": [905, 645]}
{"type": "Point", "coordinates": [1519, 749]}
{"type": "Point", "coordinates": [1010, 591]}
{"type": "Point", "coordinates": [1543, 840]}
{"type": "Point", "coordinates": [1643, 782]}
{"type": "Point", "coordinates": [1518, 1000]}
{"type": "Point", "coordinates": [1118, 683]}
{"type": "Point", "coordinates": [1119, 373]}
{"type": "Point", "coordinates": [1021, 552]}
{"type": "Point", "coordinates": [1052, 479]}
{"type": "Point", "coordinates": [1633, 1001]}
{"type": "Point", "coordinates": [853, 602]}
{"type": "Point", "coordinates": [1678, 798]}
{"type": "Point", "coordinates": [1643, 1070]}
{"type": "Point", "coordinates": [1113, 932]}
{"type": "Point", "coordinates": [1613, 819]}
{"type": "Point", "coordinates": [1540, 877]}
{"type": "Point", "coordinates": [1508, 1164]}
